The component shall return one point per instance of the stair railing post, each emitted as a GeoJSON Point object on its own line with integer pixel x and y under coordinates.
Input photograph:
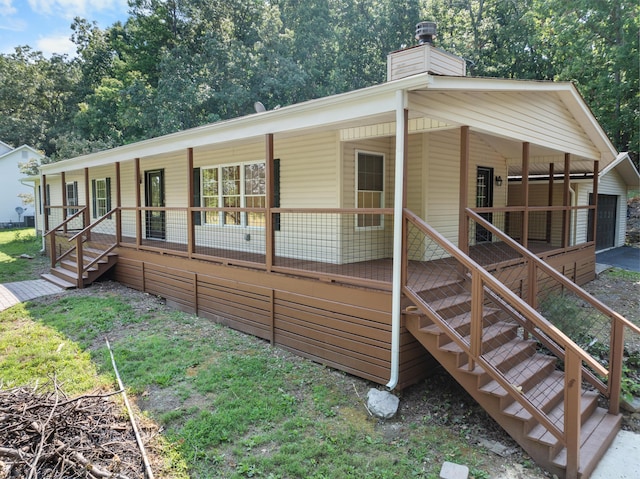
{"type": "Point", "coordinates": [572, 411]}
{"type": "Point", "coordinates": [52, 249]}
{"type": "Point", "coordinates": [615, 366]}
{"type": "Point", "coordinates": [477, 300]}
{"type": "Point", "coordinates": [79, 262]}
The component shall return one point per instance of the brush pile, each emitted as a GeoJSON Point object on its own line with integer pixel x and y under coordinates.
{"type": "Point", "coordinates": [44, 434]}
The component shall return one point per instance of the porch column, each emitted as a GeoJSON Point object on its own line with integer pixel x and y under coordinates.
{"type": "Point", "coordinates": [550, 203]}
{"type": "Point", "coordinates": [463, 227]}
{"type": "Point", "coordinates": [596, 167]}
{"type": "Point", "coordinates": [269, 197]}
{"type": "Point", "coordinates": [566, 199]}
{"type": "Point", "coordinates": [87, 202]}
{"type": "Point", "coordinates": [118, 204]}
{"type": "Point", "coordinates": [191, 233]}
{"type": "Point", "coordinates": [63, 186]}
{"type": "Point", "coordinates": [44, 200]}
{"type": "Point", "coordinates": [525, 194]}
{"type": "Point", "coordinates": [398, 228]}
{"type": "Point", "coordinates": [138, 210]}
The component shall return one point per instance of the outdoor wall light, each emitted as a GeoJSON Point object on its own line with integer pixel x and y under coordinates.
{"type": "Point", "coordinates": [498, 180]}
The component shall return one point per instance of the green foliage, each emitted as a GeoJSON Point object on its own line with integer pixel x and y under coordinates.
{"type": "Point", "coordinates": [179, 64]}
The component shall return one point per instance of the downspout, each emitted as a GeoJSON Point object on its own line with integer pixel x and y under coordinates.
{"type": "Point", "coordinates": [44, 212]}
{"type": "Point", "coordinates": [396, 292]}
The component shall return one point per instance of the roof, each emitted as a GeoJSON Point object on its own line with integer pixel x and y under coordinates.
{"type": "Point", "coordinates": [20, 148]}
{"type": "Point", "coordinates": [625, 167]}
{"type": "Point", "coordinates": [424, 94]}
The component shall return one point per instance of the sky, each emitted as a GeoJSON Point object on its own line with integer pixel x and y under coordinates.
{"type": "Point", "coordinates": [45, 25]}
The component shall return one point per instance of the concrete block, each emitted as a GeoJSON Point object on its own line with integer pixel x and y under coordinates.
{"type": "Point", "coordinates": [450, 470]}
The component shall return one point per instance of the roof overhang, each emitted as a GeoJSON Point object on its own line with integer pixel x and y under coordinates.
{"type": "Point", "coordinates": [367, 106]}
{"type": "Point", "coordinates": [625, 167]}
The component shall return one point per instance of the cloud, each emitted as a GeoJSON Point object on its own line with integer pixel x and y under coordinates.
{"type": "Point", "coordinates": [74, 8]}
{"type": "Point", "coordinates": [60, 44]}
{"type": "Point", "coordinates": [6, 8]}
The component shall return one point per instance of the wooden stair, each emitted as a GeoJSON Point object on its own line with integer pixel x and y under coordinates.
{"type": "Point", "coordinates": [533, 374]}
{"type": "Point", "coordinates": [65, 274]}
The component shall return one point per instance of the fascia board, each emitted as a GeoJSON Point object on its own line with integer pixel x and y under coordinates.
{"type": "Point", "coordinates": [625, 167]}
{"type": "Point", "coordinates": [323, 112]}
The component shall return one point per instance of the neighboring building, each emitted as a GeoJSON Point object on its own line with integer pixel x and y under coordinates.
{"type": "Point", "coordinates": [377, 232]}
{"type": "Point", "coordinates": [12, 186]}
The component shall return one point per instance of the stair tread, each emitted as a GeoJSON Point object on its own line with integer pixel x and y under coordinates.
{"type": "Point", "coordinates": [456, 322]}
{"type": "Point", "coordinates": [500, 354]}
{"type": "Point", "coordinates": [57, 281]}
{"type": "Point", "coordinates": [556, 415]}
{"type": "Point", "coordinates": [596, 435]}
{"type": "Point", "coordinates": [74, 263]}
{"type": "Point", "coordinates": [459, 298]}
{"type": "Point", "coordinates": [488, 333]}
{"type": "Point", "coordinates": [544, 394]}
{"type": "Point", "coordinates": [519, 373]}
{"type": "Point", "coordinates": [65, 272]}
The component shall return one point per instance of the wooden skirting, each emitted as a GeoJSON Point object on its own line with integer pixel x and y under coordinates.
{"type": "Point", "coordinates": [345, 327]}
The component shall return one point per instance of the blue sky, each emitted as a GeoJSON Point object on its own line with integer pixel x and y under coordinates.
{"type": "Point", "coordinates": [45, 24]}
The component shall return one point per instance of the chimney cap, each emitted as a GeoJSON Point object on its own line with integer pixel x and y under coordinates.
{"type": "Point", "coordinates": [425, 32]}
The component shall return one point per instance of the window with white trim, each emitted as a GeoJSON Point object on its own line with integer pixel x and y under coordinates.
{"type": "Point", "coordinates": [241, 185]}
{"type": "Point", "coordinates": [71, 197]}
{"type": "Point", "coordinates": [369, 187]}
{"type": "Point", "coordinates": [101, 196]}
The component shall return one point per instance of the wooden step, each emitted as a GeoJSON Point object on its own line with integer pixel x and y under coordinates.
{"type": "Point", "coordinates": [523, 375]}
{"type": "Point", "coordinates": [503, 357]}
{"type": "Point", "coordinates": [453, 305]}
{"type": "Point", "coordinates": [596, 435]}
{"type": "Point", "coordinates": [493, 336]}
{"type": "Point", "coordinates": [58, 281]}
{"type": "Point", "coordinates": [545, 396]}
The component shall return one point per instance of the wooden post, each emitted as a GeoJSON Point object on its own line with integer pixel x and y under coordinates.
{"type": "Point", "coordinates": [191, 232]}
{"type": "Point", "coordinates": [566, 200]}
{"type": "Point", "coordinates": [477, 300]}
{"type": "Point", "coordinates": [269, 196]}
{"type": "Point", "coordinates": [550, 203]}
{"type": "Point", "coordinates": [138, 207]}
{"type": "Point", "coordinates": [572, 411]}
{"type": "Point", "coordinates": [463, 228]}
{"type": "Point", "coordinates": [616, 349]}
{"type": "Point", "coordinates": [525, 192]}
{"type": "Point", "coordinates": [595, 200]}
{"type": "Point", "coordinates": [79, 263]}
{"type": "Point", "coordinates": [63, 182]}
{"type": "Point", "coordinates": [87, 202]}
{"type": "Point", "coordinates": [119, 205]}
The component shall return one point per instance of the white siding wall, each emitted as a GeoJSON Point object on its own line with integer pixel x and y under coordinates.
{"type": "Point", "coordinates": [613, 184]}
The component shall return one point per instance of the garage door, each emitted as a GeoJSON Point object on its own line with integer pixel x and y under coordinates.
{"type": "Point", "coordinates": [606, 225]}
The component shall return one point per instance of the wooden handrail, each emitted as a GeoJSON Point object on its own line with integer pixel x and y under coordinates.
{"type": "Point", "coordinates": [603, 308]}
{"type": "Point", "coordinates": [92, 225]}
{"type": "Point", "coordinates": [81, 210]}
{"type": "Point", "coordinates": [515, 301]}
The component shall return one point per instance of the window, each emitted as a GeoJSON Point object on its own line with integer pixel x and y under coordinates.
{"type": "Point", "coordinates": [234, 186]}
{"type": "Point", "coordinates": [370, 187]}
{"type": "Point", "coordinates": [101, 197]}
{"type": "Point", "coordinates": [72, 197]}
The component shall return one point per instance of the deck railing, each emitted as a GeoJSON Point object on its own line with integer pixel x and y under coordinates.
{"type": "Point", "coordinates": [65, 241]}
{"type": "Point", "coordinates": [435, 270]}
{"type": "Point", "coordinates": [593, 326]}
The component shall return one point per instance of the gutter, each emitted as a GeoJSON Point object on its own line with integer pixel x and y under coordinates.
{"type": "Point", "coordinates": [396, 291]}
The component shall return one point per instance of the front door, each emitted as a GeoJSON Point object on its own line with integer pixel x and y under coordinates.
{"type": "Point", "coordinates": [154, 197]}
{"type": "Point", "coordinates": [484, 199]}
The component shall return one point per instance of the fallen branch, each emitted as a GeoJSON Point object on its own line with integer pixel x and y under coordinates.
{"type": "Point", "coordinates": [147, 465]}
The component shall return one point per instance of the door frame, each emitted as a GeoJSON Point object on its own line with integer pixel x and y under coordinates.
{"type": "Point", "coordinates": [155, 224]}
{"type": "Point", "coordinates": [484, 199]}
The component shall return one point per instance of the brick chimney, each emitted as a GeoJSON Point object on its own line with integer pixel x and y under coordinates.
{"type": "Point", "coordinates": [424, 57]}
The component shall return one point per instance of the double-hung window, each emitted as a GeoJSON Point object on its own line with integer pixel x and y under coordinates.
{"type": "Point", "coordinates": [101, 196]}
{"type": "Point", "coordinates": [71, 197]}
{"type": "Point", "coordinates": [369, 187]}
{"type": "Point", "coordinates": [234, 186]}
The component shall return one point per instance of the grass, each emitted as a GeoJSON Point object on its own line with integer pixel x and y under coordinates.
{"type": "Point", "coordinates": [13, 243]}
{"type": "Point", "coordinates": [231, 405]}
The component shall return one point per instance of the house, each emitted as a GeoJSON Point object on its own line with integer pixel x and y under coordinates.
{"type": "Point", "coordinates": [376, 232]}
{"type": "Point", "coordinates": [10, 158]}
